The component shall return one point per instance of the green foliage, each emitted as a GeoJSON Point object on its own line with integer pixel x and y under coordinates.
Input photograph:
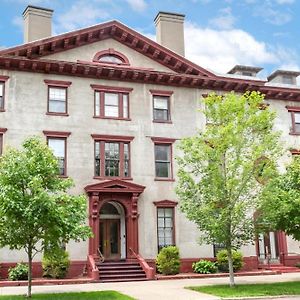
{"type": "Point", "coordinates": [167, 261]}
{"type": "Point", "coordinates": [19, 272]}
{"type": "Point", "coordinates": [35, 208]}
{"type": "Point", "coordinates": [55, 263]}
{"type": "Point", "coordinates": [298, 265]}
{"type": "Point", "coordinates": [204, 267]}
{"type": "Point", "coordinates": [221, 171]}
{"type": "Point", "coordinates": [222, 260]}
{"type": "Point", "coordinates": [280, 205]}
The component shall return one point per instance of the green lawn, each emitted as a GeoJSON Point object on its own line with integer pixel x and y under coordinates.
{"type": "Point", "coordinates": [247, 290]}
{"type": "Point", "coordinates": [103, 295]}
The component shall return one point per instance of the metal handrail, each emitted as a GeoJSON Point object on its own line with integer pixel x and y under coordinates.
{"type": "Point", "coordinates": [102, 259]}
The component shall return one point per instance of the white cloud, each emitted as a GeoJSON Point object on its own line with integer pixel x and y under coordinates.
{"type": "Point", "coordinates": [224, 20]}
{"type": "Point", "coordinates": [137, 5]}
{"type": "Point", "coordinates": [220, 50]}
{"type": "Point", "coordinates": [80, 14]}
{"type": "Point", "coordinates": [18, 22]}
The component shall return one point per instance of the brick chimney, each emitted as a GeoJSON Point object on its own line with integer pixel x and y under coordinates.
{"type": "Point", "coordinates": [37, 23]}
{"type": "Point", "coordinates": [170, 31]}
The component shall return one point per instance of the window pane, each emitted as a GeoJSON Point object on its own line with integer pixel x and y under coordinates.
{"type": "Point", "coordinates": [161, 102]}
{"type": "Point", "coordinates": [169, 212]}
{"type": "Point", "coordinates": [1, 143]}
{"type": "Point", "coordinates": [162, 169]}
{"type": "Point", "coordinates": [1, 96]}
{"type": "Point", "coordinates": [160, 212]}
{"type": "Point", "coordinates": [162, 153]}
{"type": "Point", "coordinates": [97, 158]}
{"type": "Point", "coordinates": [97, 104]}
{"type": "Point", "coordinates": [297, 117]}
{"type": "Point", "coordinates": [111, 111]}
{"type": "Point", "coordinates": [111, 59]}
{"type": "Point", "coordinates": [160, 114]}
{"type": "Point", "coordinates": [57, 94]}
{"type": "Point", "coordinates": [58, 148]}
{"type": "Point", "coordinates": [164, 227]}
{"type": "Point", "coordinates": [57, 106]}
{"type": "Point", "coordinates": [111, 99]}
{"type": "Point", "coordinates": [112, 159]}
{"type": "Point", "coordinates": [161, 222]}
{"type": "Point", "coordinates": [125, 106]}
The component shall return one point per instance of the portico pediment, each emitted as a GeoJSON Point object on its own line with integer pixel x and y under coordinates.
{"type": "Point", "coordinates": [115, 186]}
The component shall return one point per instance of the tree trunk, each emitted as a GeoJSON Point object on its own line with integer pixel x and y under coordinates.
{"type": "Point", "coordinates": [230, 266]}
{"type": "Point", "coordinates": [29, 271]}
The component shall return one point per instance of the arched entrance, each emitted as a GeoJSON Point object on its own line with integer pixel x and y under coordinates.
{"type": "Point", "coordinates": [111, 203]}
{"type": "Point", "coordinates": [112, 239]}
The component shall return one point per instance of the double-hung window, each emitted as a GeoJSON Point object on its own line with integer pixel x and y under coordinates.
{"type": "Point", "coordinates": [57, 142]}
{"type": "Point", "coordinates": [165, 223]}
{"type": "Point", "coordinates": [2, 131]}
{"type": "Point", "coordinates": [163, 158]}
{"type": "Point", "coordinates": [112, 156]}
{"type": "Point", "coordinates": [2, 92]}
{"type": "Point", "coordinates": [57, 97]}
{"type": "Point", "coordinates": [161, 106]}
{"type": "Point", "coordinates": [111, 102]}
{"type": "Point", "coordinates": [295, 119]}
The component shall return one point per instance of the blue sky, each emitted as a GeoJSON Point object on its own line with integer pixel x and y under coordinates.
{"type": "Point", "coordinates": [219, 33]}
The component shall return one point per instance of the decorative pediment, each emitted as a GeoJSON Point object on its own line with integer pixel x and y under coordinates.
{"type": "Point", "coordinates": [165, 203]}
{"type": "Point", "coordinates": [115, 186]}
{"type": "Point", "coordinates": [114, 30]}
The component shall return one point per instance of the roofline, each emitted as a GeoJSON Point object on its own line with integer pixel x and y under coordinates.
{"type": "Point", "coordinates": [283, 72]}
{"type": "Point", "coordinates": [244, 68]}
{"type": "Point", "coordinates": [169, 13]}
{"type": "Point", "coordinates": [37, 7]}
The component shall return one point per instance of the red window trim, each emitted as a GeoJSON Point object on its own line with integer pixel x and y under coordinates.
{"type": "Point", "coordinates": [166, 142]}
{"type": "Point", "coordinates": [59, 135]}
{"type": "Point", "coordinates": [292, 110]}
{"type": "Point", "coordinates": [120, 104]}
{"type": "Point", "coordinates": [112, 52]}
{"type": "Point", "coordinates": [112, 138]}
{"type": "Point", "coordinates": [3, 79]}
{"type": "Point", "coordinates": [59, 84]}
{"type": "Point", "coordinates": [102, 139]}
{"type": "Point", "coordinates": [162, 93]}
{"type": "Point", "coordinates": [173, 221]}
{"type": "Point", "coordinates": [162, 140]}
{"type": "Point", "coordinates": [2, 131]}
{"type": "Point", "coordinates": [107, 88]}
{"type": "Point", "coordinates": [165, 203]}
{"type": "Point", "coordinates": [295, 151]}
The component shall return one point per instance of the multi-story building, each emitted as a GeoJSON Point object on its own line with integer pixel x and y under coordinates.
{"type": "Point", "coordinates": [112, 104]}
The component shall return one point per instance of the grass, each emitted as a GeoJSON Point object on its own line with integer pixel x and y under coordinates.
{"type": "Point", "coordinates": [103, 295]}
{"type": "Point", "coordinates": [247, 290]}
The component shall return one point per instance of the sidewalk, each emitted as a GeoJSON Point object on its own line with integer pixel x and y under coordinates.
{"type": "Point", "coordinates": [154, 290]}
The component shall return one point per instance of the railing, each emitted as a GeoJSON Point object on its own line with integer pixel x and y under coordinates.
{"type": "Point", "coordinates": [149, 271]}
{"type": "Point", "coordinates": [102, 259]}
{"type": "Point", "coordinates": [93, 271]}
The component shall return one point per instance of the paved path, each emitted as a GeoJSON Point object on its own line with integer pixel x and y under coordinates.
{"type": "Point", "coordinates": [154, 290]}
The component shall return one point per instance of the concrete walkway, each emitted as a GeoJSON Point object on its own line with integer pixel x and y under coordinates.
{"type": "Point", "coordinates": [153, 290]}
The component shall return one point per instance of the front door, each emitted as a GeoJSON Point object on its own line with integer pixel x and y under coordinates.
{"type": "Point", "coordinates": [268, 248]}
{"type": "Point", "coordinates": [110, 239]}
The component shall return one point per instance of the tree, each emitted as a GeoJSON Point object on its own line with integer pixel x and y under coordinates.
{"type": "Point", "coordinates": [35, 209]}
{"type": "Point", "coordinates": [280, 205]}
{"type": "Point", "coordinates": [221, 167]}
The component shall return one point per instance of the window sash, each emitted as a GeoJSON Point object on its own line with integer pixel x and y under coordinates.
{"type": "Point", "coordinates": [57, 100]}
{"type": "Point", "coordinates": [112, 159]}
{"type": "Point", "coordinates": [162, 161]}
{"type": "Point", "coordinates": [58, 147]}
{"type": "Point", "coordinates": [2, 95]}
{"type": "Point", "coordinates": [161, 108]}
{"type": "Point", "coordinates": [165, 227]}
{"type": "Point", "coordinates": [111, 105]}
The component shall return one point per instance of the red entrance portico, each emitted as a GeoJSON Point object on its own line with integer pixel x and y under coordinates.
{"type": "Point", "coordinates": [124, 193]}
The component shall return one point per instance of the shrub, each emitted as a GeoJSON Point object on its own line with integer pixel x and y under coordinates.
{"type": "Point", "coordinates": [55, 263]}
{"type": "Point", "coordinates": [167, 260]}
{"type": "Point", "coordinates": [19, 272]}
{"type": "Point", "coordinates": [298, 265]}
{"type": "Point", "coordinates": [222, 260]}
{"type": "Point", "coordinates": [204, 267]}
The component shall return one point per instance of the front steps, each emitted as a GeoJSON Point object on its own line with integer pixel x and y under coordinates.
{"type": "Point", "coordinates": [120, 271]}
{"type": "Point", "coordinates": [280, 268]}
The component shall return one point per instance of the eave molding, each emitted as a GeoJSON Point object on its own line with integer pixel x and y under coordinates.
{"type": "Point", "coordinates": [165, 203]}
